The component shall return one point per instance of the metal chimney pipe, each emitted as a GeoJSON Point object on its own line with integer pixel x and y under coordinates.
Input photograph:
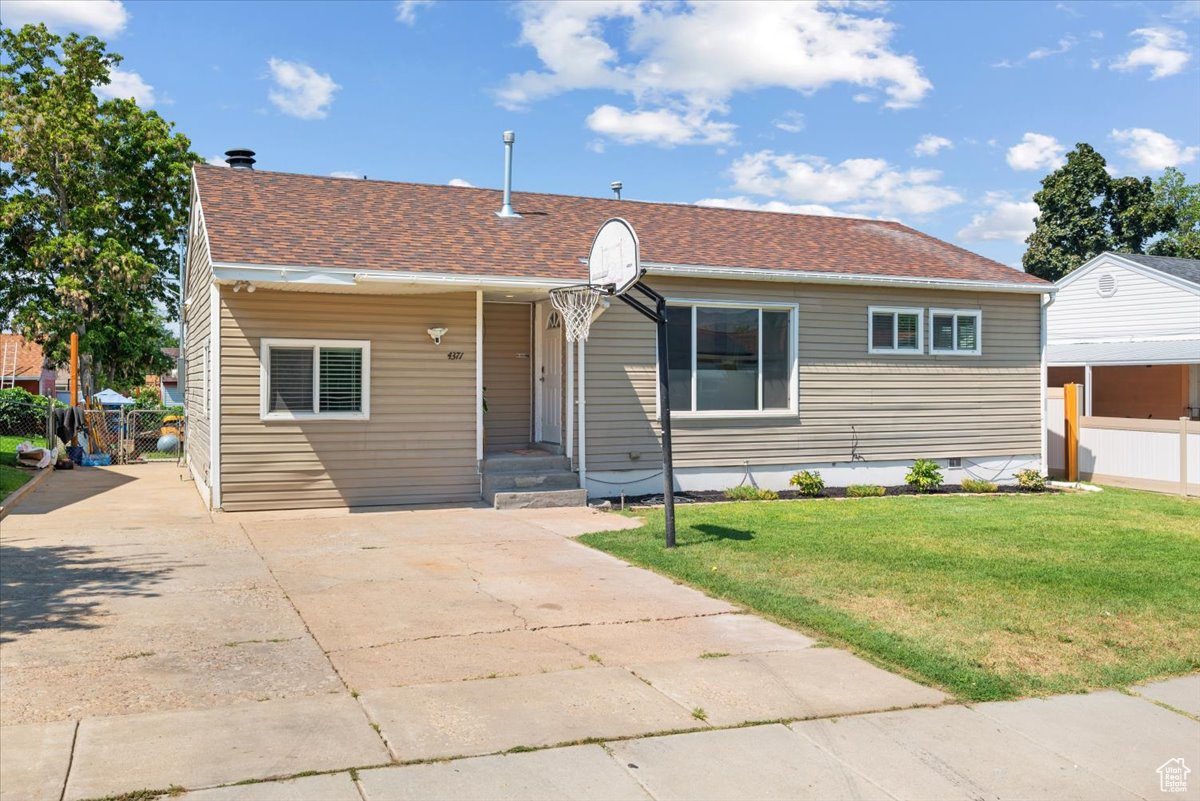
{"type": "Point", "coordinates": [240, 158]}
{"type": "Point", "coordinates": [616, 188]}
{"type": "Point", "coordinates": [506, 210]}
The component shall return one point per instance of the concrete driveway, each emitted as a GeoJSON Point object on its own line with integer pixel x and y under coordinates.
{"type": "Point", "coordinates": [145, 643]}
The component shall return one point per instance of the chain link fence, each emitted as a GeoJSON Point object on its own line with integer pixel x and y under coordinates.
{"type": "Point", "coordinates": [135, 436]}
{"type": "Point", "coordinates": [24, 418]}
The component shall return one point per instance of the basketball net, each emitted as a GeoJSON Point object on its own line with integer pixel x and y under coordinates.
{"type": "Point", "coordinates": [576, 304]}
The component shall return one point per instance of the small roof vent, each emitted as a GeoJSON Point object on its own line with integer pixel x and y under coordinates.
{"type": "Point", "coordinates": [240, 158]}
{"type": "Point", "coordinates": [1106, 285]}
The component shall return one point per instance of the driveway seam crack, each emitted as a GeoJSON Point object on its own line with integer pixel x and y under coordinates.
{"type": "Point", "coordinates": [70, 761]}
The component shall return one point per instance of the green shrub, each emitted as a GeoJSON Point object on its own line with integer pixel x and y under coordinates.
{"type": "Point", "coordinates": [925, 476]}
{"type": "Point", "coordinates": [864, 490]}
{"type": "Point", "coordinates": [809, 482]}
{"type": "Point", "coordinates": [748, 492]}
{"type": "Point", "coordinates": [979, 485]}
{"type": "Point", "coordinates": [1030, 480]}
{"type": "Point", "coordinates": [22, 414]}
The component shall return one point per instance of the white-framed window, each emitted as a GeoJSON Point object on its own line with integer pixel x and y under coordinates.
{"type": "Point", "coordinates": [327, 379]}
{"type": "Point", "coordinates": [955, 331]}
{"type": "Point", "coordinates": [731, 359]}
{"type": "Point", "coordinates": [892, 330]}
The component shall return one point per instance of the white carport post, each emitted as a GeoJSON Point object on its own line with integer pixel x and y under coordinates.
{"type": "Point", "coordinates": [582, 414]}
{"type": "Point", "coordinates": [1087, 390]}
{"type": "Point", "coordinates": [569, 428]}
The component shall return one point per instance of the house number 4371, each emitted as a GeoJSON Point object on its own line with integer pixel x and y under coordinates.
{"type": "Point", "coordinates": [454, 355]}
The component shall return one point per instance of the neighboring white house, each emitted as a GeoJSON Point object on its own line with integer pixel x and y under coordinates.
{"type": "Point", "coordinates": [1127, 327]}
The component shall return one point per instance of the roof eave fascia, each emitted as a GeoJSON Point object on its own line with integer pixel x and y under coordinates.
{"type": "Point", "coordinates": [231, 272]}
{"type": "Point", "coordinates": [847, 279]}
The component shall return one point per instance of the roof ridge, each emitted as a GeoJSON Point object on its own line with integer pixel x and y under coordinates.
{"type": "Point", "coordinates": [669, 203]}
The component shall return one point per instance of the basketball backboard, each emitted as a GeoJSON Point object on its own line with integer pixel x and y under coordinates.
{"type": "Point", "coordinates": [615, 260]}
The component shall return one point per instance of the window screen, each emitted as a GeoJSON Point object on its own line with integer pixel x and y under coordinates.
{"type": "Point", "coordinates": [341, 380]}
{"type": "Point", "coordinates": [726, 359]}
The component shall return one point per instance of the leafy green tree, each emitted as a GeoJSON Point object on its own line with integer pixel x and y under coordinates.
{"type": "Point", "coordinates": [1172, 190]}
{"type": "Point", "coordinates": [93, 198]}
{"type": "Point", "coordinates": [1084, 212]}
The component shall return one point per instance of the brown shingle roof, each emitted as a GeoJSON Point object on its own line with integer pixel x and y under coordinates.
{"type": "Point", "coordinates": [28, 356]}
{"type": "Point", "coordinates": [256, 217]}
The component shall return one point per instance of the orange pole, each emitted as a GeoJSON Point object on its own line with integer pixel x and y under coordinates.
{"type": "Point", "coordinates": [74, 377]}
{"type": "Point", "coordinates": [1071, 429]}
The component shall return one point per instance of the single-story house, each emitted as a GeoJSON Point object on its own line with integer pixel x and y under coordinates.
{"type": "Point", "coordinates": [1127, 327]}
{"type": "Point", "coordinates": [339, 335]}
{"type": "Point", "coordinates": [21, 365]}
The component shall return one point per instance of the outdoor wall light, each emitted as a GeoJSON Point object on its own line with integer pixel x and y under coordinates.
{"type": "Point", "coordinates": [436, 334]}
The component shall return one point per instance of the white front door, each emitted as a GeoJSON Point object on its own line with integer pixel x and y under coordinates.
{"type": "Point", "coordinates": [550, 378]}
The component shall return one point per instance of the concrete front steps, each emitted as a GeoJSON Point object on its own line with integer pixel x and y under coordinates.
{"type": "Point", "coordinates": [530, 479]}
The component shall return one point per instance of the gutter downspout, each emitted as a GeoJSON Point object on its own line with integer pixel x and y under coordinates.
{"type": "Point", "coordinates": [1045, 304]}
{"type": "Point", "coordinates": [479, 385]}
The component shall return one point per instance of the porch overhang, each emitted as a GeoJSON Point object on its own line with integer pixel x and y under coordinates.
{"type": "Point", "coordinates": [1100, 354]}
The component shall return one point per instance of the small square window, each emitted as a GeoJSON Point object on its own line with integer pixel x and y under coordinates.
{"type": "Point", "coordinates": [322, 378]}
{"type": "Point", "coordinates": [895, 331]}
{"type": "Point", "coordinates": [955, 331]}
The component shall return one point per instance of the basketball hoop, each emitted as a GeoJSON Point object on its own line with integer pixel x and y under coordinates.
{"type": "Point", "coordinates": [576, 304]}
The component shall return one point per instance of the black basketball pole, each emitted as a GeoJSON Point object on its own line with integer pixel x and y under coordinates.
{"type": "Point", "coordinates": [659, 315]}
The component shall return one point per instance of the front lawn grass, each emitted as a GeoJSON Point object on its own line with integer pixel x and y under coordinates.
{"type": "Point", "coordinates": [988, 597]}
{"type": "Point", "coordinates": [11, 476]}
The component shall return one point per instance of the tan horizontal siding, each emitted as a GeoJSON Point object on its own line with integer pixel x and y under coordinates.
{"type": "Point", "coordinates": [507, 356]}
{"type": "Point", "coordinates": [418, 445]}
{"type": "Point", "coordinates": [198, 330]}
{"type": "Point", "coordinates": [852, 405]}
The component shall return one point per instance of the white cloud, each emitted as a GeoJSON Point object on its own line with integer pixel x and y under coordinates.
{"type": "Point", "coordinates": [1153, 150]}
{"type": "Point", "coordinates": [1036, 152]}
{"type": "Point", "coordinates": [1004, 220]}
{"type": "Point", "coordinates": [105, 18]}
{"type": "Point", "coordinates": [862, 186]}
{"type": "Point", "coordinates": [218, 160]}
{"type": "Point", "coordinates": [300, 91]}
{"type": "Point", "coordinates": [345, 174]}
{"type": "Point", "coordinates": [744, 203]}
{"type": "Point", "coordinates": [661, 127]}
{"type": "Point", "coordinates": [1163, 49]}
{"type": "Point", "coordinates": [1064, 44]}
{"type": "Point", "coordinates": [791, 122]}
{"type": "Point", "coordinates": [691, 58]}
{"type": "Point", "coordinates": [930, 145]}
{"type": "Point", "coordinates": [406, 10]}
{"type": "Point", "coordinates": [124, 84]}
{"type": "Point", "coordinates": [459, 182]}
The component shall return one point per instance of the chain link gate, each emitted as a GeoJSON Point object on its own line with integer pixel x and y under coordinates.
{"type": "Point", "coordinates": [136, 436]}
{"type": "Point", "coordinates": [152, 435]}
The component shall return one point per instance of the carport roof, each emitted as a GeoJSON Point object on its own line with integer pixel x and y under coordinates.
{"type": "Point", "coordinates": [255, 217]}
{"type": "Point", "coordinates": [1168, 351]}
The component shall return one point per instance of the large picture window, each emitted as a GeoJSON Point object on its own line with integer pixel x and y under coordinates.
{"type": "Point", "coordinates": [731, 359]}
{"type": "Point", "coordinates": [304, 378]}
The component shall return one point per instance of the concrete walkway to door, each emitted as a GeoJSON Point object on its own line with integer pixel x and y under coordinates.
{"type": "Point", "coordinates": [148, 644]}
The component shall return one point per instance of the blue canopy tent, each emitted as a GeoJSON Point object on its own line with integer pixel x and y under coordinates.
{"type": "Point", "coordinates": [110, 397]}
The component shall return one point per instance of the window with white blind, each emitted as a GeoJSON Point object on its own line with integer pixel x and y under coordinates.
{"type": "Point", "coordinates": [731, 359]}
{"type": "Point", "coordinates": [955, 331]}
{"type": "Point", "coordinates": [303, 378]}
{"type": "Point", "coordinates": [894, 331]}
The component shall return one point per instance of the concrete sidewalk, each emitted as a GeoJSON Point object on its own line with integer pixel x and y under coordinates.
{"type": "Point", "coordinates": [148, 644]}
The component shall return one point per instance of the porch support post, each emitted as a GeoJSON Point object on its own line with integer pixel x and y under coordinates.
{"type": "Point", "coordinates": [569, 432]}
{"type": "Point", "coordinates": [582, 461]}
{"type": "Point", "coordinates": [1087, 390]}
{"type": "Point", "coordinates": [479, 375]}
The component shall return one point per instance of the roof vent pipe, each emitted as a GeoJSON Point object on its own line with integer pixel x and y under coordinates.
{"type": "Point", "coordinates": [240, 158]}
{"type": "Point", "coordinates": [616, 188]}
{"type": "Point", "coordinates": [506, 210]}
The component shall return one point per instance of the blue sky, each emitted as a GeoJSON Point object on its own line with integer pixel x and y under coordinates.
{"type": "Point", "coordinates": [942, 115]}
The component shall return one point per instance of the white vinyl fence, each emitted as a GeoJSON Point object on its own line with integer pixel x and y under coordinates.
{"type": "Point", "coordinates": [1159, 455]}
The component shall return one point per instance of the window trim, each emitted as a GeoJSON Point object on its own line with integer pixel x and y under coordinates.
{"type": "Point", "coordinates": [976, 313]}
{"type": "Point", "coordinates": [793, 409]}
{"type": "Point", "coordinates": [264, 351]}
{"type": "Point", "coordinates": [896, 311]}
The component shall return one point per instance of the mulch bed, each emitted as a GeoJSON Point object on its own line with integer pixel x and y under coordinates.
{"type": "Point", "coordinates": [718, 496]}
